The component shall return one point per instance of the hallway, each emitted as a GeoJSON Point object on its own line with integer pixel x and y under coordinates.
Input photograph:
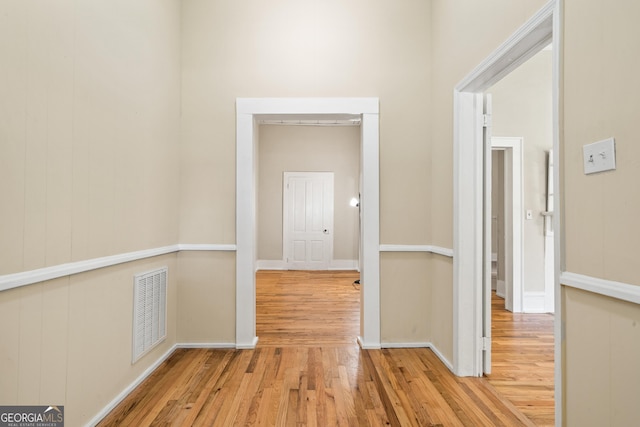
{"type": "Point", "coordinates": [308, 369]}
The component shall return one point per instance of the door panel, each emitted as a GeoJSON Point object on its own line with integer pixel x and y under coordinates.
{"type": "Point", "coordinates": [308, 220]}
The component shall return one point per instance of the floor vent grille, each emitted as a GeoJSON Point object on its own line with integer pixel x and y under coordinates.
{"type": "Point", "coordinates": [149, 311]}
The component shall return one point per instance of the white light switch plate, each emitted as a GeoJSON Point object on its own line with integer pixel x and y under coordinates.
{"type": "Point", "coordinates": [599, 156]}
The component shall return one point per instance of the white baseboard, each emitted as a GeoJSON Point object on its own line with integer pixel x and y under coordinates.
{"type": "Point", "coordinates": [367, 346]}
{"type": "Point", "coordinates": [248, 346]}
{"type": "Point", "coordinates": [221, 346]}
{"type": "Point", "coordinates": [278, 264]}
{"type": "Point", "coordinates": [533, 302]}
{"type": "Point", "coordinates": [405, 345]}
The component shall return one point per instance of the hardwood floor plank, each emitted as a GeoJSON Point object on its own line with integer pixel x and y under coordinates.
{"type": "Point", "coordinates": [307, 370]}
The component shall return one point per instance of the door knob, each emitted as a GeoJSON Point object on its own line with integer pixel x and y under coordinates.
{"type": "Point", "coordinates": [325, 231]}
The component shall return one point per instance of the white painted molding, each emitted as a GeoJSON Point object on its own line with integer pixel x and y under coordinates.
{"type": "Point", "coordinates": [248, 112]}
{"type": "Point", "coordinates": [534, 302]}
{"type": "Point", "coordinates": [24, 278]}
{"type": "Point", "coordinates": [418, 248]}
{"type": "Point", "coordinates": [247, 346]}
{"type": "Point", "coordinates": [405, 345]}
{"type": "Point", "coordinates": [528, 40]}
{"type": "Point", "coordinates": [214, 345]}
{"type": "Point", "coordinates": [206, 247]}
{"type": "Point", "coordinates": [618, 290]}
{"type": "Point", "coordinates": [306, 106]}
{"type": "Point", "coordinates": [367, 346]}
{"type": "Point", "coordinates": [278, 264]}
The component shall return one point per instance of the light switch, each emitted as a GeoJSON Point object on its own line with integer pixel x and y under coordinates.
{"type": "Point", "coordinates": [599, 156]}
{"type": "Point", "coordinates": [529, 214]}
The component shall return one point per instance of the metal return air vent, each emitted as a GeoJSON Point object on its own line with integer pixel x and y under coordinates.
{"type": "Point", "coordinates": [149, 311]}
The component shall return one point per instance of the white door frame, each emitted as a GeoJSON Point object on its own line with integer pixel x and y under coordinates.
{"type": "Point", "coordinates": [248, 111]}
{"type": "Point", "coordinates": [287, 198]}
{"type": "Point", "coordinates": [513, 223]}
{"type": "Point", "coordinates": [535, 34]}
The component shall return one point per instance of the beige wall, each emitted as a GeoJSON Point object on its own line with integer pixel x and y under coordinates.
{"type": "Point", "coordinates": [522, 103]}
{"type": "Point", "coordinates": [304, 49]}
{"type": "Point", "coordinates": [601, 211]}
{"type": "Point", "coordinates": [206, 301]}
{"type": "Point", "coordinates": [308, 149]}
{"type": "Point", "coordinates": [89, 158]}
{"type": "Point", "coordinates": [68, 341]}
{"type": "Point", "coordinates": [404, 298]}
{"type": "Point", "coordinates": [89, 130]}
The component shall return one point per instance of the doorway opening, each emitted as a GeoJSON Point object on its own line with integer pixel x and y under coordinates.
{"type": "Point", "coordinates": [249, 111]}
{"type": "Point", "coordinates": [472, 276]}
{"type": "Point", "coordinates": [506, 227]}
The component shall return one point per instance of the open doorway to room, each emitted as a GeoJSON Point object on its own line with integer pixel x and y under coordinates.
{"type": "Point", "coordinates": [472, 207]}
{"type": "Point", "coordinates": [308, 232]}
{"type": "Point", "coordinates": [249, 113]}
{"type": "Point", "coordinates": [521, 217]}
{"type": "Point", "coordinates": [522, 340]}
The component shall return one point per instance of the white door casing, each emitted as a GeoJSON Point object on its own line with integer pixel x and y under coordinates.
{"type": "Point", "coordinates": [307, 220]}
{"type": "Point", "coordinates": [487, 252]}
{"type": "Point", "coordinates": [468, 148]}
{"type": "Point", "coordinates": [248, 111]}
{"type": "Point", "coordinates": [513, 220]}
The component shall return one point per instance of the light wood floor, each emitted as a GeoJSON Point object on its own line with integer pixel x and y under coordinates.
{"type": "Point", "coordinates": [308, 370]}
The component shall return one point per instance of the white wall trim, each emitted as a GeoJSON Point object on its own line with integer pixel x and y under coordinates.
{"type": "Point", "coordinates": [365, 346]}
{"type": "Point", "coordinates": [405, 345]}
{"type": "Point", "coordinates": [513, 220]}
{"type": "Point", "coordinates": [247, 346]}
{"type": "Point", "coordinates": [213, 345]}
{"type": "Point", "coordinates": [534, 302]}
{"type": "Point", "coordinates": [618, 290]}
{"type": "Point", "coordinates": [206, 247]}
{"type": "Point", "coordinates": [248, 111]}
{"type": "Point", "coordinates": [278, 264]}
{"type": "Point", "coordinates": [24, 278]}
{"type": "Point", "coordinates": [468, 150]}
{"type": "Point", "coordinates": [418, 248]}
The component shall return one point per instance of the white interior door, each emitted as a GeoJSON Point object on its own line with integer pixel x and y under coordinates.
{"type": "Point", "coordinates": [308, 220]}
